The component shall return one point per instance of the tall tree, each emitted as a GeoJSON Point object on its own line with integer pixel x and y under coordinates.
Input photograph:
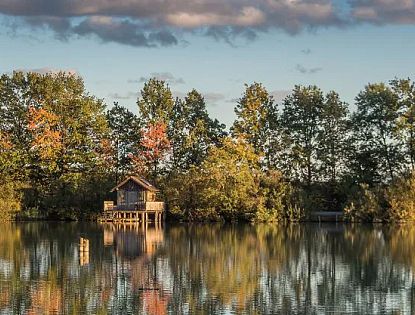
{"type": "Point", "coordinates": [125, 133]}
{"type": "Point", "coordinates": [47, 138]}
{"type": "Point", "coordinates": [14, 103]}
{"type": "Point", "coordinates": [333, 137]}
{"type": "Point", "coordinates": [193, 131]}
{"type": "Point", "coordinates": [300, 122]}
{"type": "Point", "coordinates": [375, 124]}
{"type": "Point", "coordinates": [156, 102]}
{"type": "Point", "coordinates": [405, 91]}
{"type": "Point", "coordinates": [255, 112]}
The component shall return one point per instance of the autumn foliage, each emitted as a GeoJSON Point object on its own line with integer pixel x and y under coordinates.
{"type": "Point", "coordinates": [47, 139]}
{"type": "Point", "coordinates": [153, 149]}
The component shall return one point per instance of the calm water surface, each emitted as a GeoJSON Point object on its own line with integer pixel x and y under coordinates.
{"type": "Point", "coordinates": [206, 269]}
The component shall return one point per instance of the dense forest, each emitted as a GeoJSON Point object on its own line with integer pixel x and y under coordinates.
{"type": "Point", "coordinates": [62, 150]}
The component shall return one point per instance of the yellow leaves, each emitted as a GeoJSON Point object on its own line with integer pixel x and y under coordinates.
{"type": "Point", "coordinates": [401, 199]}
{"type": "Point", "coordinates": [44, 126]}
{"type": "Point", "coordinates": [5, 143]}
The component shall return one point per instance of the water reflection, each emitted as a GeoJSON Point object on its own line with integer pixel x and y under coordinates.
{"type": "Point", "coordinates": [204, 269]}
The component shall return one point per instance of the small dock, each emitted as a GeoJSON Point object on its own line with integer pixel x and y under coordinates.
{"type": "Point", "coordinates": [327, 216]}
{"type": "Point", "coordinates": [129, 216]}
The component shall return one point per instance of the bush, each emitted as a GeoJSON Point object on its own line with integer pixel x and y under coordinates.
{"type": "Point", "coordinates": [272, 200]}
{"type": "Point", "coordinates": [10, 200]}
{"type": "Point", "coordinates": [364, 205]}
{"type": "Point", "coordinates": [400, 198]}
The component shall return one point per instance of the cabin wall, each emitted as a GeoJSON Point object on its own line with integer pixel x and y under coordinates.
{"type": "Point", "coordinates": [129, 194]}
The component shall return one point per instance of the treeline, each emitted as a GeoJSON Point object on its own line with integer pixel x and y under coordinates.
{"type": "Point", "coordinates": [61, 150]}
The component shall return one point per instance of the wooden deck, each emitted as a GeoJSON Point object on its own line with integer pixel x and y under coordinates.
{"type": "Point", "coordinates": [327, 216]}
{"type": "Point", "coordinates": [143, 212]}
{"type": "Point", "coordinates": [121, 216]}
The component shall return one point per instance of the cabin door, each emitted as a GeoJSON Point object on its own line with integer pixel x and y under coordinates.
{"type": "Point", "coordinates": [132, 199]}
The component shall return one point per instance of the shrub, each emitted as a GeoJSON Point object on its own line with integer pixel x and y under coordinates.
{"type": "Point", "coordinates": [400, 197]}
{"type": "Point", "coordinates": [10, 200]}
{"type": "Point", "coordinates": [364, 205]}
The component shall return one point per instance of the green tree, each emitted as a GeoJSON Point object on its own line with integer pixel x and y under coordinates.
{"type": "Point", "coordinates": [300, 122]}
{"type": "Point", "coordinates": [156, 102]}
{"type": "Point", "coordinates": [225, 185]}
{"type": "Point", "coordinates": [14, 102]}
{"type": "Point", "coordinates": [333, 137]}
{"type": "Point", "coordinates": [256, 114]}
{"type": "Point", "coordinates": [405, 91]}
{"type": "Point", "coordinates": [193, 131]}
{"type": "Point", "coordinates": [125, 134]}
{"type": "Point", "coordinates": [376, 156]}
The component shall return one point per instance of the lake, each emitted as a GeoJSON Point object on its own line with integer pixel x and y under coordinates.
{"type": "Point", "coordinates": [206, 269]}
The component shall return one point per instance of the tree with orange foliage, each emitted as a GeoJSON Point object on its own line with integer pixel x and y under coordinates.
{"type": "Point", "coordinates": [47, 139]}
{"type": "Point", "coordinates": [153, 150]}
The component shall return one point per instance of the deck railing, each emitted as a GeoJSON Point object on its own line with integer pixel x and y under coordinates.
{"type": "Point", "coordinates": [139, 206]}
{"type": "Point", "coordinates": [154, 206]}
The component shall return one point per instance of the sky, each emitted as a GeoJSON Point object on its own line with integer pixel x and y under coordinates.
{"type": "Point", "coordinates": [214, 46]}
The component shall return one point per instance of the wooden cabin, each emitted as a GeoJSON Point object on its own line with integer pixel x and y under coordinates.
{"type": "Point", "coordinates": [136, 202]}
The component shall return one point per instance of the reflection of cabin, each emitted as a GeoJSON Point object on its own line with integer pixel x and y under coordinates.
{"type": "Point", "coordinates": [132, 240]}
{"type": "Point", "coordinates": [136, 201]}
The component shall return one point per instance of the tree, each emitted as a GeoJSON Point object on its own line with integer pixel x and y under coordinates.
{"type": "Point", "coordinates": [193, 131]}
{"type": "Point", "coordinates": [405, 91]}
{"type": "Point", "coordinates": [14, 102]}
{"type": "Point", "coordinates": [47, 138]}
{"type": "Point", "coordinates": [300, 122]}
{"type": "Point", "coordinates": [256, 113]}
{"type": "Point", "coordinates": [376, 151]}
{"type": "Point", "coordinates": [59, 132]}
{"type": "Point", "coordinates": [153, 149]}
{"type": "Point", "coordinates": [225, 185]}
{"type": "Point", "coordinates": [333, 137]}
{"type": "Point", "coordinates": [156, 102]}
{"type": "Point", "coordinates": [125, 134]}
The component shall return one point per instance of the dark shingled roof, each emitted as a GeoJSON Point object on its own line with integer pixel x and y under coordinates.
{"type": "Point", "coordinates": [138, 180]}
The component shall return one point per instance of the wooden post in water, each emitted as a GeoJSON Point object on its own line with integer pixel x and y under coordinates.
{"type": "Point", "coordinates": [83, 251]}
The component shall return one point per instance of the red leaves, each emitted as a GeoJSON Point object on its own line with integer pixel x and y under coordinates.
{"type": "Point", "coordinates": [154, 146]}
{"type": "Point", "coordinates": [154, 141]}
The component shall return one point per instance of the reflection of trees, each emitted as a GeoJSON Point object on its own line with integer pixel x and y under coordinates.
{"type": "Point", "coordinates": [207, 269]}
{"type": "Point", "coordinates": [285, 269]}
{"type": "Point", "coordinates": [40, 272]}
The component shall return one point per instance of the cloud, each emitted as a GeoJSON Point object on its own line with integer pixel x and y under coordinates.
{"type": "Point", "coordinates": [127, 96]}
{"type": "Point", "coordinates": [384, 11]}
{"type": "Point", "coordinates": [302, 69]}
{"type": "Point", "coordinates": [212, 98]}
{"type": "Point", "coordinates": [279, 95]}
{"type": "Point", "coordinates": [164, 76]}
{"type": "Point", "coordinates": [48, 70]}
{"type": "Point", "coordinates": [124, 32]}
{"type": "Point", "coordinates": [160, 23]}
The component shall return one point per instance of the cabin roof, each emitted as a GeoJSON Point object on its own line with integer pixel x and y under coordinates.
{"type": "Point", "coordinates": [138, 180]}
